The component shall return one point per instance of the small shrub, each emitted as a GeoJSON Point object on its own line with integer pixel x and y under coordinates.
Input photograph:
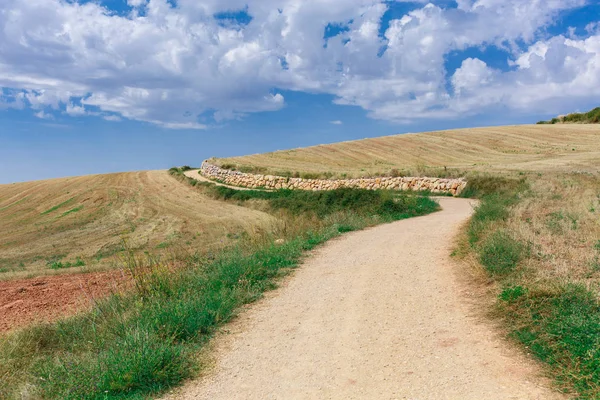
{"type": "Point", "coordinates": [229, 166]}
{"type": "Point", "coordinates": [345, 228]}
{"type": "Point", "coordinates": [396, 173]}
{"type": "Point", "coordinates": [309, 175]}
{"type": "Point", "coordinates": [500, 253]}
{"type": "Point", "coordinates": [485, 185]}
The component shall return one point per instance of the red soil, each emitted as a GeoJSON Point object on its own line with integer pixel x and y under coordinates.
{"type": "Point", "coordinates": [47, 298]}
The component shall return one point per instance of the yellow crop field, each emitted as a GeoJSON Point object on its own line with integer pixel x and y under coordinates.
{"type": "Point", "coordinates": [57, 225]}
{"type": "Point", "coordinates": [523, 147]}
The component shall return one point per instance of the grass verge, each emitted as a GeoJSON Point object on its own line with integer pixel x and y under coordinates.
{"type": "Point", "coordinates": [143, 342]}
{"type": "Point", "coordinates": [555, 316]}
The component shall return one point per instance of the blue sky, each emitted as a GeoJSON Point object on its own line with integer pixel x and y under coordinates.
{"type": "Point", "coordinates": [118, 85]}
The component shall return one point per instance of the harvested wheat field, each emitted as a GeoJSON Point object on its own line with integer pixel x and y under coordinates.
{"type": "Point", "coordinates": [78, 224]}
{"type": "Point", "coordinates": [523, 147]}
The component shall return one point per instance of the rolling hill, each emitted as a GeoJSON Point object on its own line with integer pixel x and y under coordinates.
{"type": "Point", "coordinates": [58, 225]}
{"type": "Point", "coordinates": [524, 147]}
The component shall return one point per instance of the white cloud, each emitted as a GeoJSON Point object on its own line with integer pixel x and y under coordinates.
{"type": "Point", "coordinates": [473, 74]}
{"type": "Point", "coordinates": [336, 122]}
{"type": "Point", "coordinates": [180, 125]}
{"type": "Point", "coordinates": [75, 110]}
{"type": "Point", "coordinates": [177, 66]}
{"type": "Point", "coordinates": [42, 115]}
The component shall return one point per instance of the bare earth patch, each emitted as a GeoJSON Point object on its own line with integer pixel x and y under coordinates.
{"type": "Point", "coordinates": [377, 314]}
{"type": "Point", "coordinates": [48, 298]}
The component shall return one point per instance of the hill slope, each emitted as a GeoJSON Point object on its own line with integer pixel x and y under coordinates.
{"type": "Point", "coordinates": [526, 147]}
{"type": "Point", "coordinates": [48, 224]}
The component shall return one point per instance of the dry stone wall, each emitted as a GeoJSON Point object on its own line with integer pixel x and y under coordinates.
{"type": "Point", "coordinates": [241, 179]}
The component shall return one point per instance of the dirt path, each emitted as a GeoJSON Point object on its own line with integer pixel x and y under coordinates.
{"type": "Point", "coordinates": [376, 314]}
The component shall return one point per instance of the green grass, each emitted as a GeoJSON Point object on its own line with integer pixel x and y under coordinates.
{"type": "Point", "coordinates": [71, 211]}
{"type": "Point", "coordinates": [480, 186]}
{"type": "Point", "coordinates": [64, 203]}
{"type": "Point", "coordinates": [590, 117]}
{"type": "Point", "coordinates": [57, 264]}
{"type": "Point", "coordinates": [146, 341]}
{"type": "Point", "coordinates": [500, 253]}
{"type": "Point", "coordinates": [562, 328]}
{"type": "Point", "coordinates": [14, 204]}
{"type": "Point", "coordinates": [558, 323]}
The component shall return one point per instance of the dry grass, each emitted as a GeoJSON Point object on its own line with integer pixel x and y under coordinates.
{"type": "Point", "coordinates": [513, 148]}
{"type": "Point", "coordinates": [562, 223]}
{"type": "Point", "coordinates": [87, 217]}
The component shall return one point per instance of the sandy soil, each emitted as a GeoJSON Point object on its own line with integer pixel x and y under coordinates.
{"type": "Point", "coordinates": [47, 298]}
{"type": "Point", "coordinates": [376, 314]}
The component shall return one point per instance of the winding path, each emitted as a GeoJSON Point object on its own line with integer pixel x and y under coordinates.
{"type": "Point", "coordinates": [375, 314]}
{"type": "Point", "coordinates": [194, 174]}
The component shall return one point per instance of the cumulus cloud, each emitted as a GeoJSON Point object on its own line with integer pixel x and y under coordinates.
{"type": "Point", "coordinates": [181, 64]}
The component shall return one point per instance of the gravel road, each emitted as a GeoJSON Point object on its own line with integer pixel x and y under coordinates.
{"type": "Point", "coordinates": [375, 314]}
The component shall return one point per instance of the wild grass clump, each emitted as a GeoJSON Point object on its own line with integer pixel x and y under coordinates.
{"type": "Point", "coordinates": [56, 264]}
{"type": "Point", "coordinates": [561, 326]}
{"type": "Point", "coordinates": [479, 186]}
{"type": "Point", "coordinates": [500, 253]}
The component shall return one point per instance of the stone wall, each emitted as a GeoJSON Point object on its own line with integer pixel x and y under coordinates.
{"type": "Point", "coordinates": [241, 179]}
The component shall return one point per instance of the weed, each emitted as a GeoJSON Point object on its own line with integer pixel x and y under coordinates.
{"type": "Point", "coordinates": [500, 253]}
{"type": "Point", "coordinates": [553, 222]}
{"type": "Point", "coordinates": [342, 228]}
{"type": "Point", "coordinates": [60, 265]}
{"type": "Point", "coordinates": [512, 293]}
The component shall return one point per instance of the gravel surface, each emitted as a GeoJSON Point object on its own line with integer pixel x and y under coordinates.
{"type": "Point", "coordinates": [376, 314]}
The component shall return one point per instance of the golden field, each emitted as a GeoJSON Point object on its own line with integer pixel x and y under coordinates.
{"type": "Point", "coordinates": [52, 223]}
{"type": "Point", "coordinates": [513, 148]}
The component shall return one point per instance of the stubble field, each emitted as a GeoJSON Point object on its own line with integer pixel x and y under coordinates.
{"type": "Point", "coordinates": [81, 223]}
